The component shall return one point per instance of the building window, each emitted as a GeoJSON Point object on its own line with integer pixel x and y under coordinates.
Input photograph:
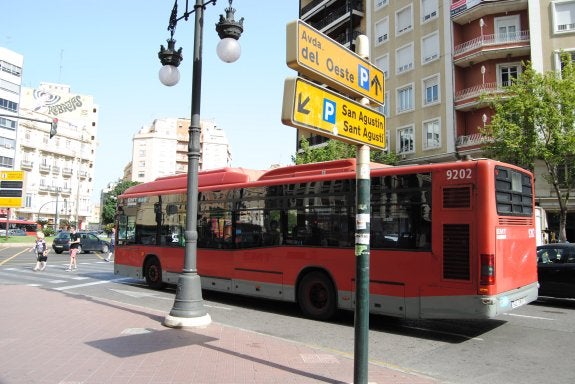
{"type": "Point", "coordinates": [8, 105]}
{"type": "Point", "coordinates": [405, 140]}
{"type": "Point", "coordinates": [403, 20]}
{"type": "Point", "coordinates": [430, 48]}
{"type": "Point", "coordinates": [28, 200]}
{"type": "Point", "coordinates": [404, 58]}
{"type": "Point", "coordinates": [506, 73]}
{"type": "Point", "coordinates": [558, 59]}
{"type": "Point", "coordinates": [431, 134]}
{"type": "Point", "coordinates": [428, 10]}
{"type": "Point", "coordinates": [6, 162]}
{"type": "Point", "coordinates": [405, 98]}
{"type": "Point", "coordinates": [7, 123]}
{"type": "Point", "coordinates": [7, 142]}
{"type": "Point", "coordinates": [383, 64]}
{"type": "Point", "coordinates": [564, 16]}
{"type": "Point", "coordinates": [382, 31]}
{"type": "Point", "coordinates": [431, 90]}
{"type": "Point", "coordinates": [507, 28]}
{"type": "Point", "coordinates": [10, 68]}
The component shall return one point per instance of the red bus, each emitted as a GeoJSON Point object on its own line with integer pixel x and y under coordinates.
{"type": "Point", "coordinates": [30, 227]}
{"type": "Point", "coordinates": [448, 240]}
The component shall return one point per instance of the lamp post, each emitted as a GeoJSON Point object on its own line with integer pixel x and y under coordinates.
{"type": "Point", "coordinates": [188, 309]}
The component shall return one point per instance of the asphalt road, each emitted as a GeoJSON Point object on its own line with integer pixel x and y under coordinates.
{"type": "Point", "coordinates": [534, 344]}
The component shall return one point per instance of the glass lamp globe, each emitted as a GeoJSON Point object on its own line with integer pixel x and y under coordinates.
{"type": "Point", "coordinates": [228, 50]}
{"type": "Point", "coordinates": [169, 75]}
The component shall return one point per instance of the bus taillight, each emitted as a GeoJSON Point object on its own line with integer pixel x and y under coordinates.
{"type": "Point", "coordinates": [487, 269]}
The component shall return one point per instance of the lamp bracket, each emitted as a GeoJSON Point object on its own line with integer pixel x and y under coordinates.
{"type": "Point", "coordinates": [227, 26]}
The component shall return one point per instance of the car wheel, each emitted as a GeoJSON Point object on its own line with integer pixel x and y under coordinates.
{"type": "Point", "coordinates": [105, 249]}
{"type": "Point", "coordinates": [316, 296]}
{"type": "Point", "coordinates": [153, 273]}
{"type": "Point", "coordinates": [80, 249]}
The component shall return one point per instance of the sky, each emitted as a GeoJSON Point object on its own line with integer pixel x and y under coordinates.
{"type": "Point", "coordinates": [109, 49]}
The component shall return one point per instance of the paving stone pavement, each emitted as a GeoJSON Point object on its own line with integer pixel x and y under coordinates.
{"type": "Point", "coordinates": [51, 337]}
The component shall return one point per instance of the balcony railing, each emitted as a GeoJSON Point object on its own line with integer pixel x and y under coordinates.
{"type": "Point", "coordinates": [26, 164]}
{"type": "Point", "coordinates": [478, 90]}
{"type": "Point", "coordinates": [472, 140]}
{"type": "Point", "coordinates": [44, 168]}
{"type": "Point", "coordinates": [485, 41]}
{"type": "Point", "coordinates": [67, 171]}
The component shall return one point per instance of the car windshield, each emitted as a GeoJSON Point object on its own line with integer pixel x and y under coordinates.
{"type": "Point", "coordinates": [63, 235]}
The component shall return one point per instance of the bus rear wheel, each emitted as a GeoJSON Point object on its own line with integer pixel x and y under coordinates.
{"type": "Point", "coordinates": [316, 296]}
{"type": "Point", "coordinates": [153, 273]}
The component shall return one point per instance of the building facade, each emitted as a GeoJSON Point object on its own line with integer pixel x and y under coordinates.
{"type": "Point", "coordinates": [440, 56]}
{"type": "Point", "coordinates": [59, 170]}
{"type": "Point", "coordinates": [161, 149]}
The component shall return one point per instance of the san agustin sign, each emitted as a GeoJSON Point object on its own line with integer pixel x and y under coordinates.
{"type": "Point", "coordinates": [313, 108]}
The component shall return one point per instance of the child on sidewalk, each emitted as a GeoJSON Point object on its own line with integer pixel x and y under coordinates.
{"type": "Point", "coordinates": [41, 252]}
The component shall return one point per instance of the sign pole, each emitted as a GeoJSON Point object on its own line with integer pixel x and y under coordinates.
{"type": "Point", "coordinates": [362, 249]}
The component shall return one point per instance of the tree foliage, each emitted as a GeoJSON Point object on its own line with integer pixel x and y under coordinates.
{"type": "Point", "coordinates": [111, 199]}
{"type": "Point", "coordinates": [335, 150]}
{"type": "Point", "coordinates": [534, 122]}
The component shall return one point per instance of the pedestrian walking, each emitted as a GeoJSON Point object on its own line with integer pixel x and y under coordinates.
{"type": "Point", "coordinates": [41, 251]}
{"type": "Point", "coordinates": [112, 242]}
{"type": "Point", "coordinates": [74, 245]}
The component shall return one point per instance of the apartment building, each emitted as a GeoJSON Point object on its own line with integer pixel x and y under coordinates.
{"type": "Point", "coordinates": [60, 170]}
{"type": "Point", "coordinates": [161, 149]}
{"type": "Point", "coordinates": [440, 56]}
{"type": "Point", "coordinates": [10, 82]}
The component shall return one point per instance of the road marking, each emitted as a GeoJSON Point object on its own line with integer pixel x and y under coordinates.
{"type": "Point", "coordinates": [137, 295]}
{"type": "Point", "coordinates": [92, 283]}
{"type": "Point", "coordinates": [16, 255]}
{"type": "Point", "coordinates": [529, 317]}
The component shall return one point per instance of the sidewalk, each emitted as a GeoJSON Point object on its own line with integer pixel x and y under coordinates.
{"type": "Point", "coordinates": [51, 337]}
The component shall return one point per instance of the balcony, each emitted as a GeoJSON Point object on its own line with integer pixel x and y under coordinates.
{"type": "Point", "coordinates": [55, 169]}
{"type": "Point", "coordinates": [463, 15]}
{"type": "Point", "coordinates": [332, 16]}
{"type": "Point", "coordinates": [45, 168]}
{"type": "Point", "coordinates": [469, 98]}
{"type": "Point", "coordinates": [44, 188]}
{"type": "Point", "coordinates": [26, 164]}
{"type": "Point", "coordinates": [83, 174]}
{"type": "Point", "coordinates": [489, 47]}
{"type": "Point", "coordinates": [66, 172]}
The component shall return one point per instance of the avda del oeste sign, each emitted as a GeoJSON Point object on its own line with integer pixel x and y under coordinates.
{"type": "Point", "coordinates": [312, 108]}
{"type": "Point", "coordinates": [318, 57]}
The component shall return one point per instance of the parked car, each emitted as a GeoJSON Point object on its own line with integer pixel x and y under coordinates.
{"type": "Point", "coordinates": [89, 242]}
{"type": "Point", "coordinates": [13, 232]}
{"type": "Point", "coordinates": [556, 270]}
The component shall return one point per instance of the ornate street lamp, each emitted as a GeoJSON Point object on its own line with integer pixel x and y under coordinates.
{"type": "Point", "coordinates": [188, 309]}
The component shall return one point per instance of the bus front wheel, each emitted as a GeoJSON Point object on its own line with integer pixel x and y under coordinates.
{"type": "Point", "coordinates": [316, 296]}
{"type": "Point", "coordinates": [153, 273]}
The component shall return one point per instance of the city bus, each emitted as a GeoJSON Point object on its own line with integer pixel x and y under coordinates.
{"type": "Point", "coordinates": [30, 227]}
{"type": "Point", "coordinates": [451, 240]}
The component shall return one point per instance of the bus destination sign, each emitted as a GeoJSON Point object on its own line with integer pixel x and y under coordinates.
{"type": "Point", "coordinates": [312, 108]}
{"type": "Point", "coordinates": [318, 57]}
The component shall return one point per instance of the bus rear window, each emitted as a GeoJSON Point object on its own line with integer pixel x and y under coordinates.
{"type": "Point", "coordinates": [513, 192]}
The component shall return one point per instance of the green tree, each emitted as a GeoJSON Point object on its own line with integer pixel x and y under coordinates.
{"type": "Point", "coordinates": [111, 199]}
{"type": "Point", "coordinates": [335, 150]}
{"type": "Point", "coordinates": [534, 123]}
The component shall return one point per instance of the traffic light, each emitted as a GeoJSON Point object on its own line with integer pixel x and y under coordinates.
{"type": "Point", "coordinates": [54, 127]}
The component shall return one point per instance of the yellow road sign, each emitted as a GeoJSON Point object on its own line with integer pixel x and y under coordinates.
{"type": "Point", "coordinates": [320, 58]}
{"type": "Point", "coordinates": [12, 175]}
{"type": "Point", "coordinates": [312, 108]}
